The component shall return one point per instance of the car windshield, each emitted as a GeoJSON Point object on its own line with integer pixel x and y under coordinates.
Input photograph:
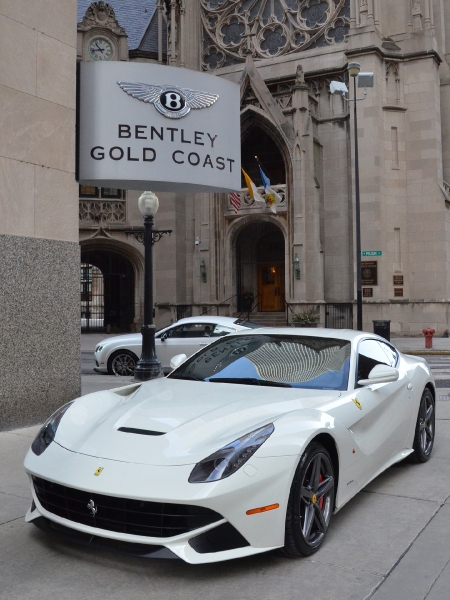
{"type": "Point", "coordinates": [276, 360]}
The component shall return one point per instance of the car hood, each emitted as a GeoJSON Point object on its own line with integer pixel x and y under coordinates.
{"type": "Point", "coordinates": [193, 419]}
{"type": "Point", "coordinates": [121, 340]}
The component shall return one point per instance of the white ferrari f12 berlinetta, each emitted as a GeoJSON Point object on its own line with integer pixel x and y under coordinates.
{"type": "Point", "coordinates": [249, 445]}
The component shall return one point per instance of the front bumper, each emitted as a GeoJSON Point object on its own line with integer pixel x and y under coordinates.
{"type": "Point", "coordinates": [261, 482]}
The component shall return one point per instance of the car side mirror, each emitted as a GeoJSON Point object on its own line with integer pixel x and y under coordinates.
{"type": "Point", "coordinates": [177, 360]}
{"type": "Point", "coordinates": [380, 374]}
{"type": "Point", "coordinates": [163, 337]}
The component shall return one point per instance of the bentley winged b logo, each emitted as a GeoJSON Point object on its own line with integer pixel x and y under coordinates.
{"type": "Point", "coordinates": [170, 100]}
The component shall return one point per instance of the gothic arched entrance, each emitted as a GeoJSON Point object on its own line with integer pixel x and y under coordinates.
{"type": "Point", "coordinates": [107, 292]}
{"type": "Point", "coordinates": [260, 255]}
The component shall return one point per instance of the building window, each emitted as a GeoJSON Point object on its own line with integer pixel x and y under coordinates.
{"type": "Point", "coordinates": [87, 191]}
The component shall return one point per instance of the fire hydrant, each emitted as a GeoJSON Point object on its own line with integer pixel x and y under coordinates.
{"type": "Point", "coordinates": [428, 333]}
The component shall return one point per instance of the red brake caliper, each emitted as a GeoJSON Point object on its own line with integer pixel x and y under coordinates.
{"type": "Point", "coordinates": [321, 501]}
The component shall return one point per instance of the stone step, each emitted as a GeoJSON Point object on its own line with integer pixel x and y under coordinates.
{"type": "Point", "coordinates": [268, 319]}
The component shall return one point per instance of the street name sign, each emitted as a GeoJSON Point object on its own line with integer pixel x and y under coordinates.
{"type": "Point", "coordinates": [150, 127]}
{"type": "Point", "coordinates": [372, 253]}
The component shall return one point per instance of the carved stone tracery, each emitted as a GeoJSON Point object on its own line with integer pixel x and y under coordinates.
{"type": "Point", "coordinates": [269, 28]}
{"type": "Point", "coordinates": [100, 14]}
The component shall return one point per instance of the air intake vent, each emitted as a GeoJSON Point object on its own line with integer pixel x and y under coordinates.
{"type": "Point", "coordinates": [140, 431]}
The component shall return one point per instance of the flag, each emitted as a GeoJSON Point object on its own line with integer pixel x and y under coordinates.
{"type": "Point", "coordinates": [252, 188]}
{"type": "Point", "coordinates": [271, 196]}
{"type": "Point", "coordinates": [235, 201]}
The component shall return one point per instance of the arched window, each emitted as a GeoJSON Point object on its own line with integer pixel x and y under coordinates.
{"type": "Point", "coordinates": [258, 143]}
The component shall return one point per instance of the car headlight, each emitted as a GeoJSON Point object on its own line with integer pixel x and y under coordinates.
{"type": "Point", "coordinates": [48, 431]}
{"type": "Point", "coordinates": [231, 457]}
{"type": "Point", "coordinates": [98, 348]}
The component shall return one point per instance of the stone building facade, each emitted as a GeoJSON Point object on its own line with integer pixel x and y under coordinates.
{"type": "Point", "coordinates": [284, 54]}
{"type": "Point", "coordinates": [39, 248]}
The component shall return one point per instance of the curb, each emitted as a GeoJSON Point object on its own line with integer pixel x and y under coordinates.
{"type": "Point", "coordinates": [426, 352]}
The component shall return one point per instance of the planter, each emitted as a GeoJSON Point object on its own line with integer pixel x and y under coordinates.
{"type": "Point", "coordinates": [304, 324]}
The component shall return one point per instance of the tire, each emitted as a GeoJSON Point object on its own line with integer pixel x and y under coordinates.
{"type": "Point", "coordinates": [122, 363]}
{"type": "Point", "coordinates": [425, 429]}
{"type": "Point", "coordinates": [311, 503]}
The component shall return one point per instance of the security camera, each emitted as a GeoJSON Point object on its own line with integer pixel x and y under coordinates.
{"type": "Point", "coordinates": [198, 241]}
{"type": "Point", "coordinates": [337, 87]}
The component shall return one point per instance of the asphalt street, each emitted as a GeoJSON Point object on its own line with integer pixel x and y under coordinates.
{"type": "Point", "coordinates": [388, 543]}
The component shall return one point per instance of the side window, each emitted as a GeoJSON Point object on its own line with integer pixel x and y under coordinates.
{"type": "Point", "coordinates": [370, 354]}
{"type": "Point", "coordinates": [220, 330]}
{"type": "Point", "coordinates": [195, 330]}
{"type": "Point", "coordinates": [391, 354]}
{"type": "Point", "coordinates": [175, 332]}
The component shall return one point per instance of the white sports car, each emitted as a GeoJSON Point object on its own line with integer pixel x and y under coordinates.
{"type": "Point", "coordinates": [250, 445]}
{"type": "Point", "coordinates": [118, 355]}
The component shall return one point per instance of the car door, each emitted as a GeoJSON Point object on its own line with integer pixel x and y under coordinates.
{"type": "Point", "coordinates": [381, 427]}
{"type": "Point", "coordinates": [376, 415]}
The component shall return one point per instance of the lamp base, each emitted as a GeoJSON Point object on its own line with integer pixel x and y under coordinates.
{"type": "Point", "coordinates": [146, 370]}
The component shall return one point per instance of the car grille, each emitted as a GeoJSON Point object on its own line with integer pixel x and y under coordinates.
{"type": "Point", "coordinates": [124, 515]}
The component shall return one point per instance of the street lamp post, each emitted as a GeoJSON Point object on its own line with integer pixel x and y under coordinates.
{"type": "Point", "coordinates": [353, 70]}
{"type": "Point", "coordinates": [364, 80]}
{"type": "Point", "coordinates": [148, 366]}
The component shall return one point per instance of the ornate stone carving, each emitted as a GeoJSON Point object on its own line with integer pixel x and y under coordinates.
{"type": "Point", "coordinates": [247, 202]}
{"type": "Point", "coordinates": [100, 14]}
{"type": "Point", "coordinates": [268, 28]}
{"type": "Point", "coordinates": [102, 211]}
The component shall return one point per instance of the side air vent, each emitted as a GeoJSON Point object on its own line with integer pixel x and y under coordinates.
{"type": "Point", "coordinates": [140, 431]}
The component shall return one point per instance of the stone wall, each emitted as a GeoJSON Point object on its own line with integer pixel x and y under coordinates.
{"type": "Point", "coordinates": [39, 252]}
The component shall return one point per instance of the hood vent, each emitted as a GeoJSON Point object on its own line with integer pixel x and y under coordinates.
{"type": "Point", "coordinates": [140, 431]}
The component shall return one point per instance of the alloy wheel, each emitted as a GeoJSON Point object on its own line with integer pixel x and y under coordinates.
{"type": "Point", "coordinates": [316, 499]}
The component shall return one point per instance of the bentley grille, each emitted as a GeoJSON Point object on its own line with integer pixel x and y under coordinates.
{"type": "Point", "coordinates": [124, 515]}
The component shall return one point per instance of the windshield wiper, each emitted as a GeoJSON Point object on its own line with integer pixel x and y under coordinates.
{"type": "Point", "coordinates": [188, 377]}
{"type": "Point", "coordinates": [249, 381]}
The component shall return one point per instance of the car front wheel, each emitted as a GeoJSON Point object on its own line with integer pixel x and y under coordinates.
{"type": "Point", "coordinates": [424, 433]}
{"type": "Point", "coordinates": [311, 503]}
{"type": "Point", "coordinates": [122, 363]}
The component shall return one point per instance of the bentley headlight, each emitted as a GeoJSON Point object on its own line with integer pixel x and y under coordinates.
{"type": "Point", "coordinates": [48, 431]}
{"type": "Point", "coordinates": [230, 458]}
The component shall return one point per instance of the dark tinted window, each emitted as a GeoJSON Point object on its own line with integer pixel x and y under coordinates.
{"type": "Point", "coordinates": [370, 354]}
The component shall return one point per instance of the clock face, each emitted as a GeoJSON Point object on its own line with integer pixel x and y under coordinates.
{"type": "Point", "coordinates": [100, 48]}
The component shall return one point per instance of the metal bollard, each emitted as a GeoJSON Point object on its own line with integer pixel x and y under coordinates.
{"type": "Point", "coordinates": [428, 333]}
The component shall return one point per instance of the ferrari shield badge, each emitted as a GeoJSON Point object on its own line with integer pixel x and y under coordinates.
{"type": "Point", "coordinates": [358, 403]}
{"type": "Point", "coordinates": [98, 471]}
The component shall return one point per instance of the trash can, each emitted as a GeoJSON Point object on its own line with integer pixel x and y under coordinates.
{"type": "Point", "coordinates": [383, 329]}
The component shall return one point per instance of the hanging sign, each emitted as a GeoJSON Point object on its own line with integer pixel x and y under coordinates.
{"type": "Point", "coordinates": [150, 127]}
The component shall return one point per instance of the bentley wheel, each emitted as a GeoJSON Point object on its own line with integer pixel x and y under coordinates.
{"type": "Point", "coordinates": [424, 434]}
{"type": "Point", "coordinates": [122, 363]}
{"type": "Point", "coordinates": [311, 503]}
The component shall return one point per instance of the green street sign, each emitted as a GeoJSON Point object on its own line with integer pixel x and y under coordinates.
{"type": "Point", "coordinates": [372, 253]}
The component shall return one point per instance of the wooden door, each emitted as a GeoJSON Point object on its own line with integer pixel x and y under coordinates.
{"type": "Point", "coordinates": [271, 287]}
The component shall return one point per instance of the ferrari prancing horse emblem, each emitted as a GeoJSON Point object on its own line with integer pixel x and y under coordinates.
{"type": "Point", "coordinates": [98, 471]}
{"type": "Point", "coordinates": [358, 403]}
{"type": "Point", "coordinates": [170, 100]}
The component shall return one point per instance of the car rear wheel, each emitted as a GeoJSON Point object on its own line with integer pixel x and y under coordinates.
{"type": "Point", "coordinates": [425, 425]}
{"type": "Point", "coordinates": [122, 363]}
{"type": "Point", "coordinates": [311, 503]}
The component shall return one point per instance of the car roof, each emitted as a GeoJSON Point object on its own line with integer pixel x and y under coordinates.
{"type": "Point", "coordinates": [341, 334]}
{"type": "Point", "coordinates": [208, 319]}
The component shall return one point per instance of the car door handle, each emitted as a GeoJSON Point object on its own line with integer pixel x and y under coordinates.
{"type": "Point", "coordinates": [204, 344]}
{"type": "Point", "coordinates": [410, 387]}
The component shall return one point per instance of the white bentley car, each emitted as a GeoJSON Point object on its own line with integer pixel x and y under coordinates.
{"type": "Point", "coordinates": [249, 445]}
{"type": "Point", "coordinates": [119, 354]}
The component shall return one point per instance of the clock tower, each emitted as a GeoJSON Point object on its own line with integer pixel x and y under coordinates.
{"type": "Point", "coordinates": [100, 37]}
